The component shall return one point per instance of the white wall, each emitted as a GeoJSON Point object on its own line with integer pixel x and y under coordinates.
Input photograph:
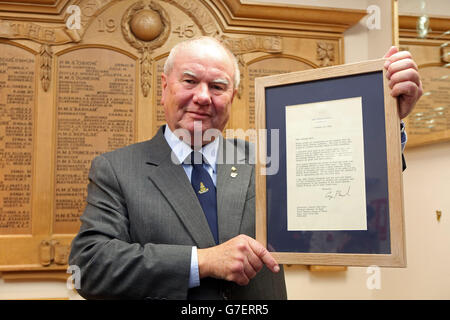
{"type": "Point", "coordinates": [360, 42]}
{"type": "Point", "coordinates": [427, 275]}
{"type": "Point", "coordinates": [426, 189]}
{"type": "Point", "coordinates": [364, 43]}
{"type": "Point", "coordinates": [36, 290]}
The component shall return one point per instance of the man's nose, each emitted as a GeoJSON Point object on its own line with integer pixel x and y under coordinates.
{"type": "Point", "coordinates": [202, 95]}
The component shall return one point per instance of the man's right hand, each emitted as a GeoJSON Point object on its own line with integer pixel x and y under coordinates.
{"type": "Point", "coordinates": [238, 260]}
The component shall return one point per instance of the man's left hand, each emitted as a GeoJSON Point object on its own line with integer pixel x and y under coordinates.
{"type": "Point", "coordinates": [404, 79]}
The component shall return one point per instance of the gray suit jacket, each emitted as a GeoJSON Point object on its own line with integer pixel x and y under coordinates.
{"type": "Point", "coordinates": [142, 219]}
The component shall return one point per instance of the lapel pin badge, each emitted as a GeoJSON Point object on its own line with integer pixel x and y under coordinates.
{"type": "Point", "coordinates": [233, 172]}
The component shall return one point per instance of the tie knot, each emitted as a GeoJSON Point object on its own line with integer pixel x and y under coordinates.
{"type": "Point", "coordinates": [195, 158]}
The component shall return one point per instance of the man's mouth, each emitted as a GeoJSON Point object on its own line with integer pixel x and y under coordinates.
{"type": "Point", "coordinates": [199, 115]}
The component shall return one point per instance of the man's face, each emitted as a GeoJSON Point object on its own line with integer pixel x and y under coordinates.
{"type": "Point", "coordinates": [198, 89]}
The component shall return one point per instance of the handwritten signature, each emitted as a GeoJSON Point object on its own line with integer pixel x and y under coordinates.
{"type": "Point", "coordinates": [330, 195]}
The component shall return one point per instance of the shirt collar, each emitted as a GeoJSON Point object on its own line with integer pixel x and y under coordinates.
{"type": "Point", "coordinates": [181, 150]}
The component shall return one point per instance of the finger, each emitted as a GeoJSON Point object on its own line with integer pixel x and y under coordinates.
{"type": "Point", "coordinates": [404, 76]}
{"type": "Point", "coordinates": [250, 272]}
{"type": "Point", "coordinates": [251, 263]}
{"type": "Point", "coordinates": [264, 255]}
{"type": "Point", "coordinates": [400, 65]}
{"type": "Point", "coordinates": [398, 56]}
{"type": "Point", "coordinates": [392, 50]}
{"type": "Point", "coordinates": [255, 261]}
{"type": "Point", "coordinates": [407, 88]}
{"type": "Point", "coordinates": [405, 106]}
{"type": "Point", "coordinates": [408, 95]}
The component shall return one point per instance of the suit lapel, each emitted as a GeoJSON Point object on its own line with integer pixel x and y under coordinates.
{"type": "Point", "coordinates": [170, 178]}
{"type": "Point", "coordinates": [232, 187]}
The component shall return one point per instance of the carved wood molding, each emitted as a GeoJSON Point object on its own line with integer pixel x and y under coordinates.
{"type": "Point", "coordinates": [39, 2]}
{"type": "Point", "coordinates": [284, 16]}
{"type": "Point", "coordinates": [146, 71]}
{"type": "Point", "coordinates": [46, 66]}
{"type": "Point", "coordinates": [234, 16]}
{"type": "Point", "coordinates": [54, 7]}
{"type": "Point", "coordinates": [200, 14]}
{"type": "Point", "coordinates": [146, 8]}
{"type": "Point", "coordinates": [59, 275]}
{"type": "Point", "coordinates": [235, 13]}
{"type": "Point", "coordinates": [438, 25]}
{"type": "Point", "coordinates": [325, 53]}
{"type": "Point", "coordinates": [315, 268]}
{"type": "Point", "coordinates": [146, 34]}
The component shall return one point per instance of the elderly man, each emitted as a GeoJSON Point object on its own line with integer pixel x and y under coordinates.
{"type": "Point", "coordinates": [164, 219]}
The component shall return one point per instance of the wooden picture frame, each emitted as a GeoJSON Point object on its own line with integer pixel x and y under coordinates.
{"type": "Point", "coordinates": [382, 243]}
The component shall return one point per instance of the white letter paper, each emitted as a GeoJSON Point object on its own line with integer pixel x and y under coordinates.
{"type": "Point", "coordinates": [325, 166]}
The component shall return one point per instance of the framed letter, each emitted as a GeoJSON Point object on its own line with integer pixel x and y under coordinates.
{"type": "Point", "coordinates": [329, 167]}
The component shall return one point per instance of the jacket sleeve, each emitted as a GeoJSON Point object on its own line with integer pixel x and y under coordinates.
{"type": "Point", "coordinates": [111, 265]}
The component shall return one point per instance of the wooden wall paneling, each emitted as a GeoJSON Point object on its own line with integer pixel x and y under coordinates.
{"type": "Point", "coordinates": [98, 87]}
{"type": "Point", "coordinates": [430, 121]}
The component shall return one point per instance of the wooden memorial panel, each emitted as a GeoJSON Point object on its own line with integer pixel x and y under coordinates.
{"type": "Point", "coordinates": [17, 118]}
{"type": "Point", "coordinates": [95, 113]}
{"type": "Point", "coordinates": [267, 67]}
{"type": "Point", "coordinates": [430, 120]}
{"type": "Point", "coordinates": [159, 118]}
{"type": "Point", "coordinates": [80, 83]}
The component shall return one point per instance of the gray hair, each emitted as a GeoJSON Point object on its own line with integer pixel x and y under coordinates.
{"type": "Point", "coordinates": [168, 66]}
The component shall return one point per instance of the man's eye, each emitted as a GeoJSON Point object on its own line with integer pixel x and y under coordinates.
{"type": "Point", "coordinates": [189, 81]}
{"type": "Point", "coordinates": [217, 87]}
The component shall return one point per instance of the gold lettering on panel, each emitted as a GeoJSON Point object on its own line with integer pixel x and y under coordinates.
{"type": "Point", "coordinates": [17, 103]}
{"type": "Point", "coordinates": [267, 67]}
{"type": "Point", "coordinates": [95, 114]}
{"type": "Point", "coordinates": [429, 121]}
{"type": "Point", "coordinates": [199, 14]}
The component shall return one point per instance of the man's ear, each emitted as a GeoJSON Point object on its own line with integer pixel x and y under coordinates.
{"type": "Point", "coordinates": [234, 94]}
